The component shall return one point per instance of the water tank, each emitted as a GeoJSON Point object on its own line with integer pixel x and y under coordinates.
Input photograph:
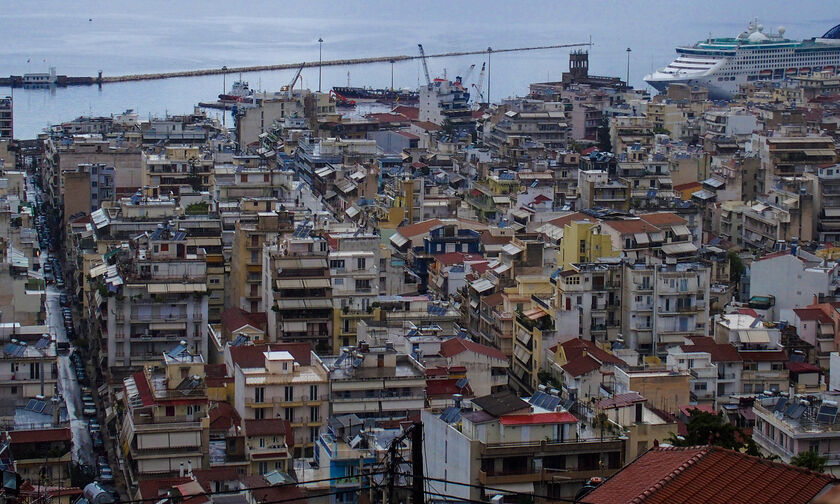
{"type": "Point", "coordinates": [95, 494]}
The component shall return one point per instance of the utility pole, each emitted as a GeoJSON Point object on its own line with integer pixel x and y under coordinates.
{"type": "Point", "coordinates": [417, 491]}
{"type": "Point", "coordinates": [628, 68]}
{"type": "Point", "coordinates": [320, 42]}
{"type": "Point", "coordinates": [392, 75]}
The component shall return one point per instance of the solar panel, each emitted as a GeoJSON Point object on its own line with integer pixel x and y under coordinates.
{"type": "Point", "coordinates": [42, 343]}
{"type": "Point", "coordinates": [357, 362]}
{"type": "Point", "coordinates": [827, 413]}
{"type": "Point", "coordinates": [39, 406]}
{"type": "Point", "coordinates": [461, 383]}
{"type": "Point", "coordinates": [340, 360]}
{"type": "Point", "coordinates": [551, 403]}
{"type": "Point", "coordinates": [791, 407]}
{"type": "Point", "coordinates": [31, 405]}
{"type": "Point", "coordinates": [797, 411]}
{"type": "Point", "coordinates": [780, 405]}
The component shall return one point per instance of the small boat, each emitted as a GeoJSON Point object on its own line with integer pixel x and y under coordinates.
{"type": "Point", "coordinates": [238, 93]}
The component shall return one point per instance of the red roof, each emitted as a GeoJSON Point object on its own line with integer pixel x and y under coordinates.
{"type": "Point", "coordinates": [153, 488]}
{"type": "Point", "coordinates": [588, 151]}
{"type": "Point", "coordinates": [268, 427]}
{"type": "Point", "coordinates": [455, 346]}
{"type": "Point", "coordinates": [412, 230]}
{"type": "Point", "coordinates": [663, 219]}
{"type": "Point", "coordinates": [446, 387]}
{"type": "Point", "coordinates": [705, 475]}
{"type": "Point", "coordinates": [812, 314]}
{"type": "Point", "coordinates": [251, 356]}
{"type": "Point", "coordinates": [686, 410]}
{"type": "Point", "coordinates": [385, 117]}
{"type": "Point", "coordinates": [568, 219]}
{"type": "Point", "coordinates": [542, 198]}
{"type": "Point", "coordinates": [575, 347]}
{"type": "Point", "coordinates": [748, 311]}
{"type": "Point", "coordinates": [143, 390]}
{"type": "Point", "coordinates": [40, 436]}
{"type": "Point", "coordinates": [234, 319]}
{"type": "Point", "coordinates": [802, 367]}
{"type": "Point", "coordinates": [581, 365]}
{"type": "Point", "coordinates": [764, 356]}
{"type": "Point", "coordinates": [412, 113]}
{"type": "Point", "coordinates": [223, 416]}
{"type": "Point", "coordinates": [720, 352]}
{"type": "Point", "coordinates": [450, 258]}
{"type": "Point", "coordinates": [538, 418]}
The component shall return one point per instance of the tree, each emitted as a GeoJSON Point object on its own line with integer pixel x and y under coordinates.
{"type": "Point", "coordinates": [704, 428]}
{"type": "Point", "coordinates": [736, 266]}
{"type": "Point", "coordinates": [604, 142]}
{"type": "Point", "coordinates": [809, 460]}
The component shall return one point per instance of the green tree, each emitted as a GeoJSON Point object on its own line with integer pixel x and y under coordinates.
{"type": "Point", "coordinates": [604, 142]}
{"type": "Point", "coordinates": [809, 460]}
{"type": "Point", "coordinates": [736, 266]}
{"type": "Point", "coordinates": [708, 428]}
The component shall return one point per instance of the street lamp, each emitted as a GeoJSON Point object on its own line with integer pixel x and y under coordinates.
{"type": "Point", "coordinates": [224, 79]}
{"type": "Point", "coordinates": [489, 52]}
{"type": "Point", "coordinates": [627, 82]}
{"type": "Point", "coordinates": [320, 43]}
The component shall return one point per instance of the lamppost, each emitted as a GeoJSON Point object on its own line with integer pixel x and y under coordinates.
{"type": "Point", "coordinates": [320, 43]}
{"type": "Point", "coordinates": [224, 79]}
{"type": "Point", "coordinates": [489, 52]}
{"type": "Point", "coordinates": [392, 75]}
{"type": "Point", "coordinates": [628, 68]}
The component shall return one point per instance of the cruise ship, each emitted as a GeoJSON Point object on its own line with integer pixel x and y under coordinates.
{"type": "Point", "coordinates": [723, 64]}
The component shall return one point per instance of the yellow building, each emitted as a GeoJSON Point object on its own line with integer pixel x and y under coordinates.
{"type": "Point", "coordinates": [583, 242]}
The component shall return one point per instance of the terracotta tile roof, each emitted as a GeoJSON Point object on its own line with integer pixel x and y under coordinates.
{"type": "Point", "coordinates": [575, 347]}
{"type": "Point", "coordinates": [446, 387]}
{"type": "Point", "coordinates": [748, 311]}
{"type": "Point", "coordinates": [568, 219]}
{"type": "Point", "coordinates": [426, 125]}
{"type": "Point", "coordinates": [385, 118]}
{"type": "Point", "coordinates": [487, 238]}
{"type": "Point", "coordinates": [216, 375]}
{"type": "Point", "coordinates": [412, 113]}
{"type": "Point", "coordinates": [501, 403]}
{"type": "Point", "coordinates": [764, 356]}
{"type": "Point", "coordinates": [687, 185]}
{"type": "Point", "coordinates": [237, 318]}
{"type": "Point", "coordinates": [207, 476]}
{"type": "Point", "coordinates": [268, 427]}
{"type": "Point", "coordinates": [262, 492]}
{"type": "Point", "coordinates": [539, 418]}
{"type": "Point", "coordinates": [40, 436]}
{"type": "Point", "coordinates": [812, 314]}
{"type": "Point", "coordinates": [631, 226]}
{"type": "Point", "coordinates": [720, 352]}
{"type": "Point", "coordinates": [455, 346]}
{"type": "Point", "coordinates": [153, 488]}
{"type": "Point", "coordinates": [411, 230]}
{"type": "Point", "coordinates": [687, 410]}
{"type": "Point", "coordinates": [581, 365]}
{"type": "Point", "coordinates": [802, 367]}
{"type": "Point", "coordinates": [495, 299]}
{"type": "Point", "coordinates": [251, 356]}
{"type": "Point", "coordinates": [663, 219]}
{"type": "Point", "coordinates": [450, 258]}
{"type": "Point", "coordinates": [708, 475]}
{"type": "Point", "coordinates": [223, 416]}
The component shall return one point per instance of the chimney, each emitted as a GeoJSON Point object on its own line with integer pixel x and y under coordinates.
{"type": "Point", "coordinates": [189, 468]}
{"type": "Point", "coordinates": [181, 470]}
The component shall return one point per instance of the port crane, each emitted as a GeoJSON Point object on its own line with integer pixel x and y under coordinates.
{"type": "Point", "coordinates": [425, 67]}
{"type": "Point", "coordinates": [479, 85]}
{"type": "Point", "coordinates": [291, 85]}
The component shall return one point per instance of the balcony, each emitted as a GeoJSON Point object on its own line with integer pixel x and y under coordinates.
{"type": "Point", "coordinates": [533, 448]}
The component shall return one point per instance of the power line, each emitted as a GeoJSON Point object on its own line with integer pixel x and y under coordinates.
{"type": "Point", "coordinates": [512, 492]}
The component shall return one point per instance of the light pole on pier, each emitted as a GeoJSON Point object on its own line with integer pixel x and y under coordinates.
{"type": "Point", "coordinates": [320, 43]}
{"type": "Point", "coordinates": [627, 82]}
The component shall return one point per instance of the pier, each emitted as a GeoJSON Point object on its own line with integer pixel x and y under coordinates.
{"type": "Point", "coordinates": [63, 80]}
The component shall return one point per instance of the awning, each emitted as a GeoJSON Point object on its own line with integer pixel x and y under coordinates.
{"type": "Point", "coordinates": [755, 336]}
{"type": "Point", "coordinates": [713, 182]}
{"type": "Point", "coordinates": [290, 304]}
{"type": "Point", "coordinates": [511, 249]}
{"type": "Point", "coordinates": [352, 211]}
{"type": "Point", "coordinates": [832, 212]}
{"type": "Point", "coordinates": [176, 288]}
{"type": "Point", "coordinates": [398, 240]}
{"type": "Point", "coordinates": [169, 326]}
{"type": "Point", "coordinates": [482, 285]}
{"type": "Point", "coordinates": [98, 270]}
{"type": "Point", "coordinates": [641, 238]}
{"type": "Point", "coordinates": [657, 236]}
{"type": "Point", "coordinates": [501, 200]}
{"type": "Point", "coordinates": [665, 181]}
{"type": "Point", "coordinates": [515, 488]}
{"type": "Point", "coordinates": [680, 230]}
{"type": "Point", "coordinates": [703, 194]}
{"type": "Point", "coordinates": [679, 248]}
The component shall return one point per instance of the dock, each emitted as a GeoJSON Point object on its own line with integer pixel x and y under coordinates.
{"type": "Point", "coordinates": [63, 80]}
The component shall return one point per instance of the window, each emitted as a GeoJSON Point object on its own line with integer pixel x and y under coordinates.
{"type": "Point", "coordinates": [262, 468]}
{"type": "Point", "coordinates": [34, 370]}
{"type": "Point", "coordinates": [313, 434]}
{"type": "Point", "coordinates": [336, 263]}
{"type": "Point", "coordinates": [262, 442]}
{"type": "Point", "coordinates": [170, 411]}
{"type": "Point", "coordinates": [259, 414]}
{"type": "Point", "coordinates": [259, 394]}
{"type": "Point", "coordinates": [287, 394]}
{"type": "Point", "coordinates": [314, 413]}
{"type": "Point", "coordinates": [288, 414]}
{"type": "Point", "coordinates": [360, 263]}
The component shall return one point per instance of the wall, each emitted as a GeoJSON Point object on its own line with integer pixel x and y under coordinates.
{"type": "Point", "coordinates": [452, 460]}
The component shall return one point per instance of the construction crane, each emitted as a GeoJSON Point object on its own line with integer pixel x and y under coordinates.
{"type": "Point", "coordinates": [467, 74]}
{"type": "Point", "coordinates": [425, 67]}
{"type": "Point", "coordinates": [480, 83]}
{"type": "Point", "coordinates": [291, 85]}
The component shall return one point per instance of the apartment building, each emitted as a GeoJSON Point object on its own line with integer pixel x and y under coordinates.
{"type": "Point", "coordinates": [6, 118]}
{"type": "Point", "coordinates": [594, 290]}
{"type": "Point", "coordinates": [596, 190]}
{"type": "Point", "coordinates": [663, 304]}
{"type": "Point", "coordinates": [154, 297]}
{"type": "Point", "coordinates": [827, 203]}
{"type": "Point", "coordinates": [354, 261]}
{"type": "Point", "coordinates": [375, 382]}
{"type": "Point", "coordinates": [791, 279]}
{"type": "Point", "coordinates": [164, 425]}
{"type": "Point", "coordinates": [297, 292]}
{"type": "Point", "coordinates": [178, 166]}
{"type": "Point", "coordinates": [86, 187]}
{"type": "Point", "coordinates": [629, 130]}
{"type": "Point", "coordinates": [251, 232]}
{"type": "Point", "coordinates": [286, 381]}
{"type": "Point", "coordinates": [28, 368]}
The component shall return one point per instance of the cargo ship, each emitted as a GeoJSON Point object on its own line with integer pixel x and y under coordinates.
{"type": "Point", "coordinates": [379, 95]}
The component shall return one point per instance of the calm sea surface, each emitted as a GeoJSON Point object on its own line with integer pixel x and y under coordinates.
{"type": "Point", "coordinates": [82, 37]}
